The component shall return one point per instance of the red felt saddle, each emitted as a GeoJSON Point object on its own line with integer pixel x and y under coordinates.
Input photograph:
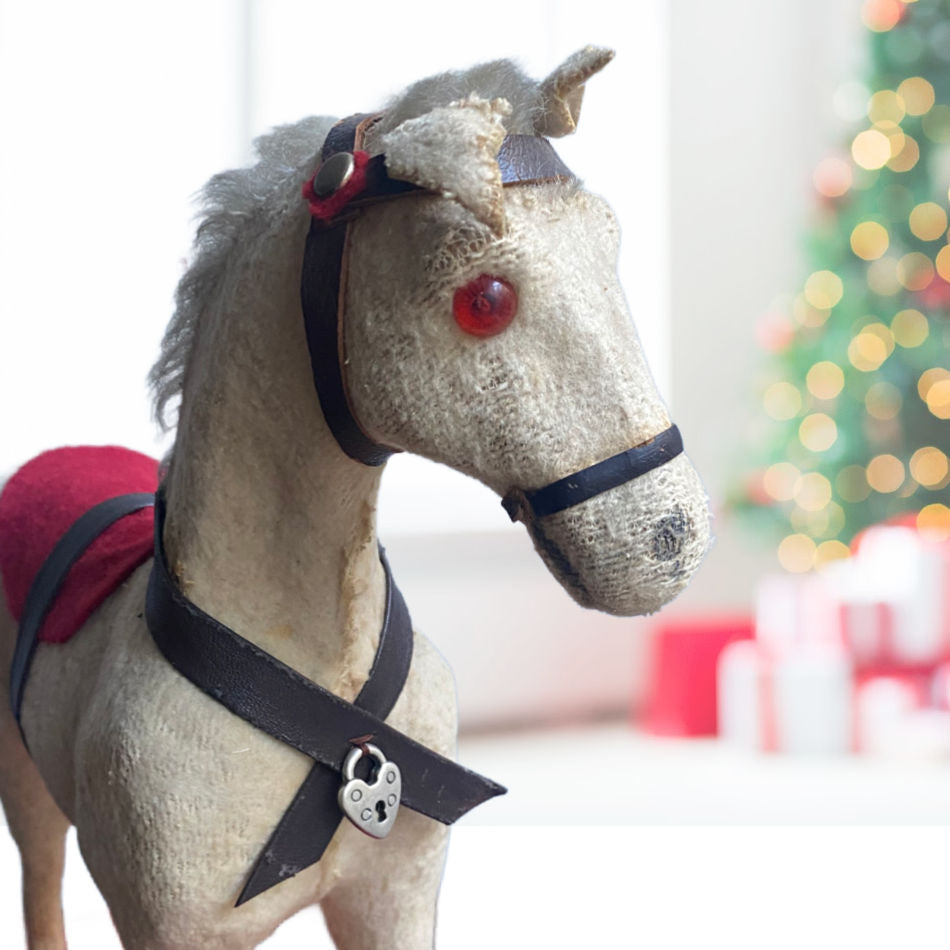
{"type": "Point", "coordinates": [39, 504]}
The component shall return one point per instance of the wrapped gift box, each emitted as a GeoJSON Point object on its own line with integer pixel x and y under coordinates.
{"type": "Point", "coordinates": [798, 701]}
{"type": "Point", "coordinates": [894, 608]}
{"type": "Point", "coordinates": [681, 699]}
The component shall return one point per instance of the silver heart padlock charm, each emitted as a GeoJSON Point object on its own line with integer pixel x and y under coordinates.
{"type": "Point", "coordinates": [371, 806]}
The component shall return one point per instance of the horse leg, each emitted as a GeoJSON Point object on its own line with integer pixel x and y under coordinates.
{"type": "Point", "coordinates": [39, 829]}
{"type": "Point", "coordinates": [36, 823]}
{"type": "Point", "coordinates": [391, 901]}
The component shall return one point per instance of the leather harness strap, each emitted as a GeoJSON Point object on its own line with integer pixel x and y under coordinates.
{"type": "Point", "coordinates": [323, 299]}
{"type": "Point", "coordinates": [283, 703]}
{"type": "Point", "coordinates": [50, 577]}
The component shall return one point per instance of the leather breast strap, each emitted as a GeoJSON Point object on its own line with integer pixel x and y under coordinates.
{"type": "Point", "coordinates": [522, 159]}
{"type": "Point", "coordinates": [275, 698]}
{"type": "Point", "coordinates": [50, 577]}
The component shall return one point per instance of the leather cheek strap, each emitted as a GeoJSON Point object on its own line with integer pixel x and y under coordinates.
{"type": "Point", "coordinates": [323, 300]}
{"type": "Point", "coordinates": [595, 479]}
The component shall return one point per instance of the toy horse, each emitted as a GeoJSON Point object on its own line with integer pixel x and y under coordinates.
{"type": "Point", "coordinates": [236, 714]}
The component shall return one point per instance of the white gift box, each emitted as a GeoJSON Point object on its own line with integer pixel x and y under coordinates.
{"type": "Point", "coordinates": [798, 701]}
{"type": "Point", "coordinates": [889, 604]}
{"type": "Point", "coordinates": [881, 707]}
{"type": "Point", "coordinates": [895, 605]}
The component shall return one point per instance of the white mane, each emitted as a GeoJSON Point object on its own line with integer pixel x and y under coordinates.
{"type": "Point", "coordinates": [235, 200]}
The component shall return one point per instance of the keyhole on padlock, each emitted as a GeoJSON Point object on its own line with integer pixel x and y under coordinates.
{"type": "Point", "coordinates": [380, 811]}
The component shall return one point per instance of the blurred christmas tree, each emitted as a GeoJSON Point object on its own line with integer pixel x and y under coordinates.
{"type": "Point", "coordinates": [856, 397]}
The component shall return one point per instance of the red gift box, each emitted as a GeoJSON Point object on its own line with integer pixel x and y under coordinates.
{"type": "Point", "coordinates": [681, 695]}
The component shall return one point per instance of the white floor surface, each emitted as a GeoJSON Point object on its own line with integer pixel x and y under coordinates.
{"type": "Point", "coordinates": [600, 842]}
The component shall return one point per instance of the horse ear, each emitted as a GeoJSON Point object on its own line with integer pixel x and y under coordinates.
{"type": "Point", "coordinates": [561, 93]}
{"type": "Point", "coordinates": [453, 149]}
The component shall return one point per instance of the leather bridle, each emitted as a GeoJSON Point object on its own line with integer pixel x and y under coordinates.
{"type": "Point", "coordinates": [523, 159]}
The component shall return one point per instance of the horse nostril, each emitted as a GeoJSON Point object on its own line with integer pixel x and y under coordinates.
{"type": "Point", "coordinates": [669, 534]}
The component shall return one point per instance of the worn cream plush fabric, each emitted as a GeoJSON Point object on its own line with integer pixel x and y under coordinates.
{"type": "Point", "coordinates": [452, 151]}
{"type": "Point", "coordinates": [272, 528]}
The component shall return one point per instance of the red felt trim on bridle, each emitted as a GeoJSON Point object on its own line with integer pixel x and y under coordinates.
{"type": "Point", "coordinates": [324, 209]}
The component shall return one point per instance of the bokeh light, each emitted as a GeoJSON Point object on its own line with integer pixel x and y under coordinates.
{"type": "Point", "coordinates": [928, 221]}
{"type": "Point", "coordinates": [832, 177]}
{"type": "Point", "coordinates": [782, 401]}
{"type": "Point", "coordinates": [829, 551]}
{"type": "Point", "coordinates": [886, 106]}
{"type": "Point", "coordinates": [910, 328]}
{"type": "Point", "coordinates": [917, 94]}
{"type": "Point", "coordinates": [883, 400]}
{"type": "Point", "coordinates": [806, 315]}
{"type": "Point", "coordinates": [885, 473]}
{"type": "Point", "coordinates": [872, 149]}
{"type": "Point", "coordinates": [895, 137]}
{"type": "Point", "coordinates": [883, 331]}
{"type": "Point", "coordinates": [943, 262]}
{"type": "Point", "coordinates": [823, 289]}
{"type": "Point", "coordinates": [929, 466]}
{"type": "Point", "coordinates": [869, 240]}
{"type": "Point", "coordinates": [796, 553]}
{"type": "Point", "coordinates": [825, 380]}
{"type": "Point", "coordinates": [774, 331]}
{"type": "Point", "coordinates": [936, 124]}
{"type": "Point", "coordinates": [938, 399]}
{"type": "Point", "coordinates": [934, 521]}
{"type": "Point", "coordinates": [813, 491]}
{"type": "Point", "coordinates": [929, 378]}
{"type": "Point", "coordinates": [827, 522]}
{"type": "Point", "coordinates": [817, 432]}
{"type": "Point", "coordinates": [882, 15]}
{"type": "Point", "coordinates": [851, 483]}
{"type": "Point", "coordinates": [882, 276]}
{"type": "Point", "coordinates": [780, 481]}
{"type": "Point", "coordinates": [907, 157]}
{"type": "Point", "coordinates": [915, 271]}
{"type": "Point", "coordinates": [867, 351]}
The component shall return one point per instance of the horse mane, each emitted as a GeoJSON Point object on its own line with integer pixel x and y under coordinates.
{"type": "Point", "coordinates": [232, 202]}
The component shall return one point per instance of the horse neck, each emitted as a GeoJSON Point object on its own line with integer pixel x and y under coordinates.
{"type": "Point", "coordinates": [271, 528]}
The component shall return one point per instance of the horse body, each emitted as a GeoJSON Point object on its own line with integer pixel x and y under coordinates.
{"type": "Point", "coordinates": [173, 796]}
{"type": "Point", "coordinates": [271, 527]}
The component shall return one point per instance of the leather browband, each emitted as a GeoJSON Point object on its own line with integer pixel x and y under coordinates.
{"type": "Point", "coordinates": [522, 159]}
{"type": "Point", "coordinates": [595, 479]}
{"type": "Point", "coordinates": [275, 698]}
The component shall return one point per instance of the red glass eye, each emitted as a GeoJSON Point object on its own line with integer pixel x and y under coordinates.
{"type": "Point", "coordinates": [485, 306]}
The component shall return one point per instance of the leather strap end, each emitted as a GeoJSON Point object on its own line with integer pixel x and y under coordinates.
{"type": "Point", "coordinates": [515, 503]}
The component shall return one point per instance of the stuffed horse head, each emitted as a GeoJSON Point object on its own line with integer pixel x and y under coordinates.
{"type": "Point", "coordinates": [562, 384]}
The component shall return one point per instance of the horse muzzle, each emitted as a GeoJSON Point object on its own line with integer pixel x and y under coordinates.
{"type": "Point", "coordinates": [625, 534]}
